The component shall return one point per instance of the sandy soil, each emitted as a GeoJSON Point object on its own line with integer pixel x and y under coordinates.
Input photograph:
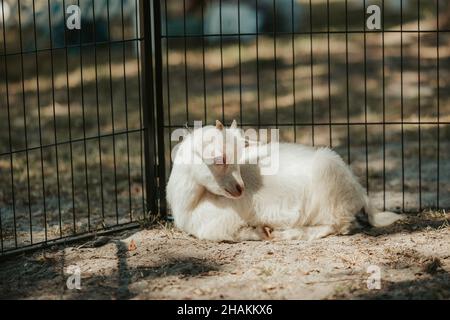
{"type": "Point", "coordinates": [163, 263]}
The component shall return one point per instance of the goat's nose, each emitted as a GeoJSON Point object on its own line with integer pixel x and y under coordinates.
{"type": "Point", "coordinates": [240, 188]}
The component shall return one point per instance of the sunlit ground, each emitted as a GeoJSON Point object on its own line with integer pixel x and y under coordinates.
{"type": "Point", "coordinates": [319, 90]}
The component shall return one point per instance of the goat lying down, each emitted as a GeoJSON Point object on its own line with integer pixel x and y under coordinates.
{"type": "Point", "coordinates": [313, 194]}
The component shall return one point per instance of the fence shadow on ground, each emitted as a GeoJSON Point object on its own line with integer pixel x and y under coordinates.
{"type": "Point", "coordinates": [431, 287]}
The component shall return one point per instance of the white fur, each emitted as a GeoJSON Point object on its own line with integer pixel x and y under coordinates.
{"type": "Point", "coordinates": [314, 194]}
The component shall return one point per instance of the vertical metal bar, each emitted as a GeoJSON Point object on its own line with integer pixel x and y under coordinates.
{"type": "Point", "coordinates": [294, 105]}
{"type": "Point", "coordinates": [329, 74]}
{"type": "Point", "coordinates": [112, 111]}
{"type": "Point", "coordinates": [311, 72]}
{"type": "Point", "coordinates": [205, 106]}
{"type": "Point", "coordinates": [25, 121]}
{"type": "Point", "coordinates": [141, 136]}
{"type": "Point", "coordinates": [347, 83]}
{"type": "Point", "coordinates": [240, 62]}
{"type": "Point", "coordinates": [84, 132]}
{"type": "Point", "coordinates": [54, 118]}
{"type": "Point", "coordinates": [126, 114]}
{"type": "Point", "coordinates": [221, 62]}
{"type": "Point", "coordinates": [438, 104]}
{"type": "Point", "coordinates": [402, 105]}
{"type": "Point", "coordinates": [275, 67]}
{"type": "Point", "coordinates": [74, 220]}
{"type": "Point", "coordinates": [257, 65]}
{"type": "Point", "coordinates": [159, 108]}
{"type": "Point", "coordinates": [365, 104]}
{"type": "Point", "coordinates": [8, 108]}
{"type": "Point", "coordinates": [419, 104]}
{"type": "Point", "coordinates": [1, 211]}
{"type": "Point", "coordinates": [169, 118]}
{"type": "Point", "coordinates": [148, 106]}
{"type": "Point", "coordinates": [38, 96]}
{"type": "Point", "coordinates": [185, 62]}
{"type": "Point", "coordinates": [384, 108]}
{"type": "Point", "coordinates": [98, 114]}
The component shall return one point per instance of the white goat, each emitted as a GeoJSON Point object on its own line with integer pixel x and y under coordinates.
{"type": "Point", "coordinates": [313, 194]}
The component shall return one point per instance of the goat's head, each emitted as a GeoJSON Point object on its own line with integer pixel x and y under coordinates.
{"type": "Point", "coordinates": [219, 149]}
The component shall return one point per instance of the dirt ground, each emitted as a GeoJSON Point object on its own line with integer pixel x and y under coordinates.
{"type": "Point", "coordinates": [163, 263]}
{"type": "Point", "coordinates": [72, 155]}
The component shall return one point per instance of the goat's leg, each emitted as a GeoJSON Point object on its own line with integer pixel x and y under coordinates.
{"type": "Point", "coordinates": [303, 233]}
{"type": "Point", "coordinates": [248, 233]}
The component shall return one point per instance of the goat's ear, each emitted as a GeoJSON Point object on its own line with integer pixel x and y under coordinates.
{"type": "Point", "coordinates": [234, 125]}
{"type": "Point", "coordinates": [219, 125]}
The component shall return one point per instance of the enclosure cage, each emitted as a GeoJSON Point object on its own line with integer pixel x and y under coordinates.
{"type": "Point", "coordinates": [88, 113]}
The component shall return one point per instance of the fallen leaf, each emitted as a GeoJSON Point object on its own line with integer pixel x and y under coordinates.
{"type": "Point", "coordinates": [132, 246]}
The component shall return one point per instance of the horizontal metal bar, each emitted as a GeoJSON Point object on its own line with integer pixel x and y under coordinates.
{"type": "Point", "coordinates": [303, 124]}
{"type": "Point", "coordinates": [280, 33]}
{"type": "Point", "coordinates": [117, 133]}
{"type": "Point", "coordinates": [67, 240]}
{"type": "Point", "coordinates": [78, 45]}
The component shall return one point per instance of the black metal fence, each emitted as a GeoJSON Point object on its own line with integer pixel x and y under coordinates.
{"type": "Point", "coordinates": [88, 113]}
{"type": "Point", "coordinates": [77, 147]}
{"type": "Point", "coordinates": [315, 70]}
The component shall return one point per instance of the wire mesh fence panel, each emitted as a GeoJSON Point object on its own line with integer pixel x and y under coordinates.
{"type": "Point", "coordinates": [72, 149]}
{"type": "Point", "coordinates": [324, 74]}
{"type": "Point", "coordinates": [88, 113]}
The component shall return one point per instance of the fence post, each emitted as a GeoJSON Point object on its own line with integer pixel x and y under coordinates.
{"type": "Point", "coordinates": [152, 106]}
{"type": "Point", "coordinates": [159, 106]}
